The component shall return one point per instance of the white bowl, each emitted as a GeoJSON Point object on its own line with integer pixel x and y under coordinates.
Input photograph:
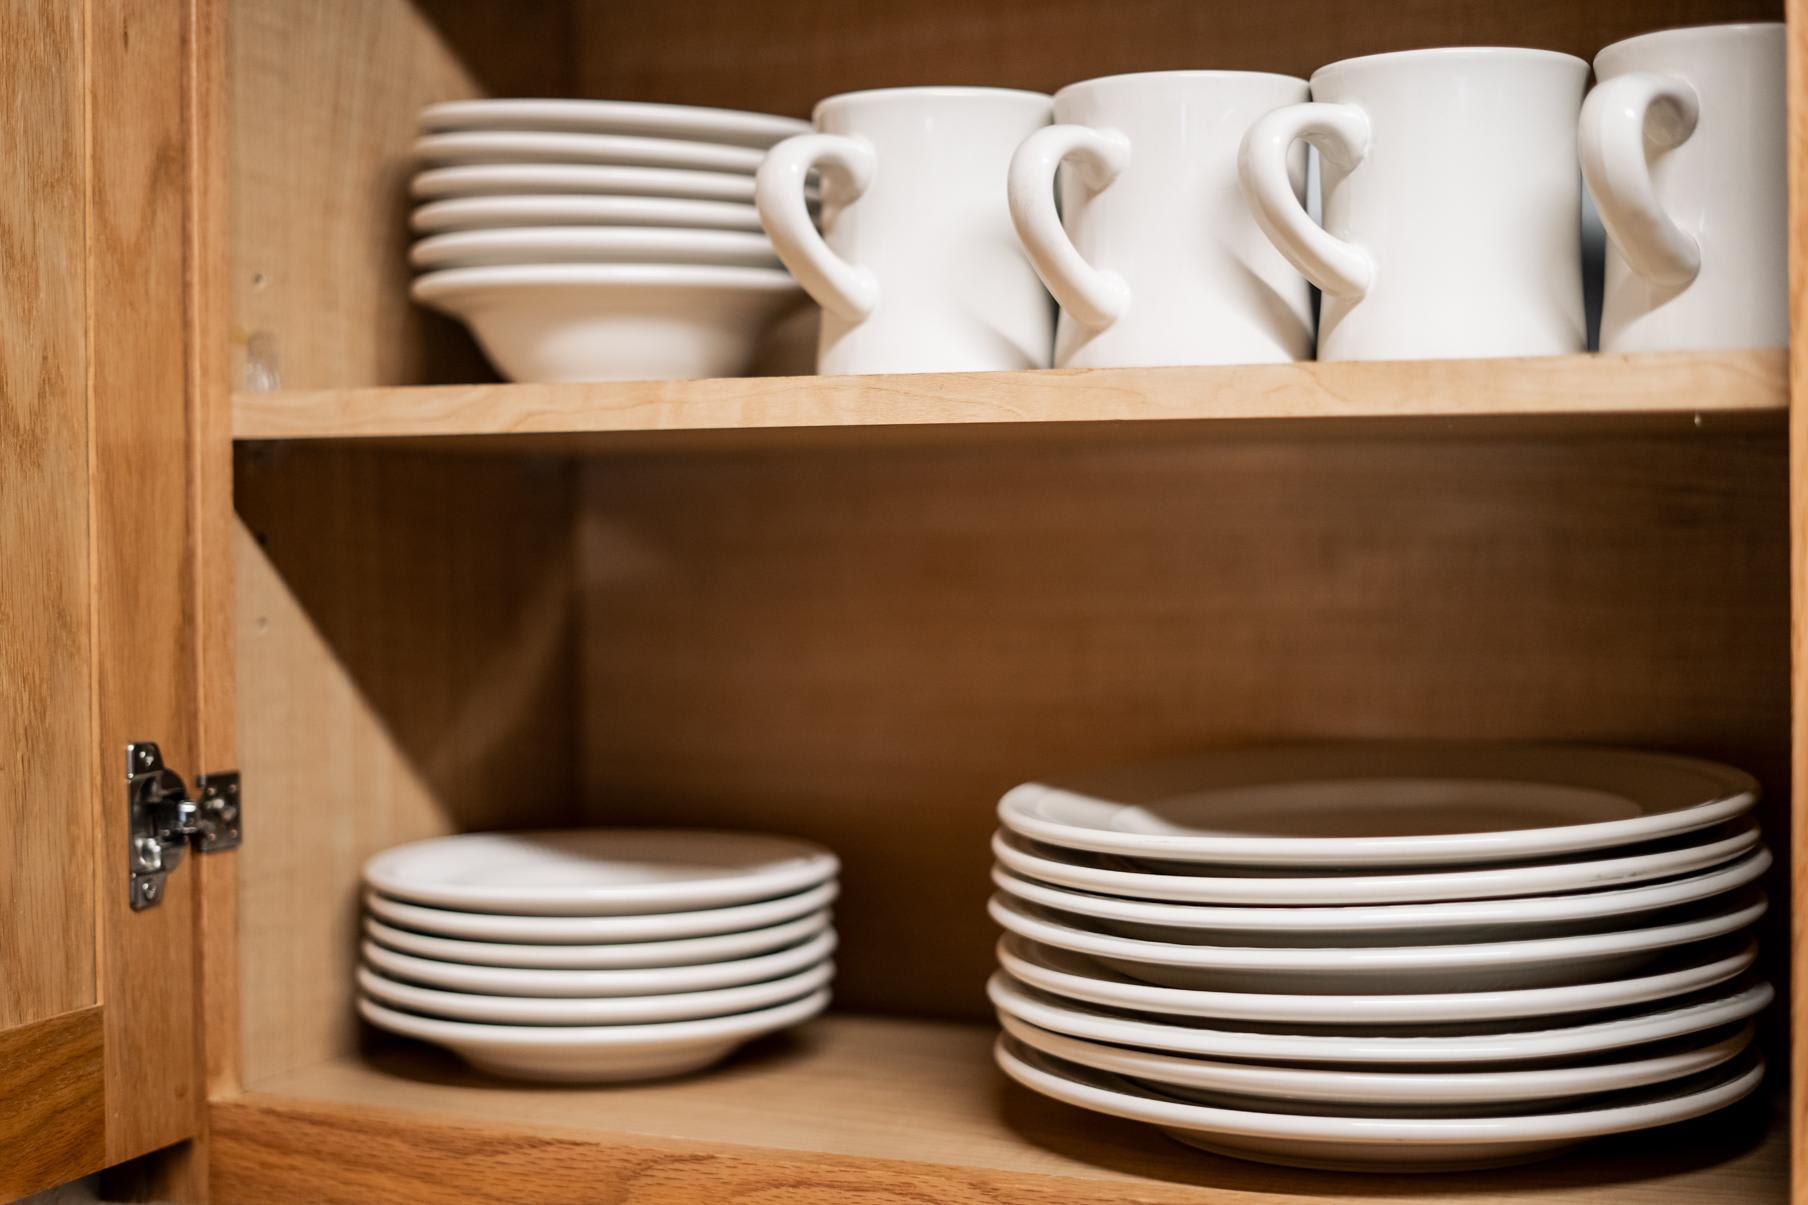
{"type": "Point", "coordinates": [1373, 1143]}
{"type": "Point", "coordinates": [614, 322]}
{"type": "Point", "coordinates": [593, 244]}
{"type": "Point", "coordinates": [552, 209]}
{"type": "Point", "coordinates": [591, 1053]}
{"type": "Point", "coordinates": [593, 1010]}
{"type": "Point", "coordinates": [598, 984]}
{"type": "Point", "coordinates": [613, 117]}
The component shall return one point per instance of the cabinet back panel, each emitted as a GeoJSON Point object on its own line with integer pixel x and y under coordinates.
{"type": "Point", "coordinates": [866, 648]}
{"type": "Point", "coordinates": [785, 55]}
{"type": "Point", "coordinates": [404, 670]}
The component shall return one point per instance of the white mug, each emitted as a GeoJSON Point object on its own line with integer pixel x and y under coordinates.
{"type": "Point", "coordinates": [1682, 147]}
{"type": "Point", "coordinates": [1450, 197]}
{"type": "Point", "coordinates": [1154, 257]}
{"type": "Point", "coordinates": [917, 268]}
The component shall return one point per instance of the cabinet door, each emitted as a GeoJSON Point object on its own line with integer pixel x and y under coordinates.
{"type": "Point", "coordinates": [100, 1056]}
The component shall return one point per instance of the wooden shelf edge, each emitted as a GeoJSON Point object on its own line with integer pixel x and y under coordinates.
{"type": "Point", "coordinates": [1604, 386]}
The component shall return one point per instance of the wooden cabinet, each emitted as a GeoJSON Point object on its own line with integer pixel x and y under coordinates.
{"type": "Point", "coordinates": [260, 509]}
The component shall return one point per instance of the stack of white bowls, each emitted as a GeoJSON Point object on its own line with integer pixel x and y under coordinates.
{"type": "Point", "coordinates": [1384, 957]}
{"type": "Point", "coordinates": [599, 240]}
{"type": "Point", "coordinates": [596, 955]}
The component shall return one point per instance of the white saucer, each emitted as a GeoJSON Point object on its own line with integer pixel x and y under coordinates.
{"type": "Point", "coordinates": [483, 213]}
{"type": "Point", "coordinates": [1077, 977]}
{"type": "Point", "coordinates": [578, 179]}
{"type": "Point", "coordinates": [605, 956]}
{"type": "Point", "coordinates": [1375, 1091]}
{"type": "Point", "coordinates": [594, 1054]}
{"type": "Point", "coordinates": [602, 150]}
{"type": "Point", "coordinates": [1182, 883]}
{"type": "Point", "coordinates": [593, 244]}
{"type": "Point", "coordinates": [597, 872]}
{"type": "Point", "coordinates": [613, 117]}
{"type": "Point", "coordinates": [1370, 1143]}
{"type": "Point", "coordinates": [1722, 1007]}
{"type": "Point", "coordinates": [604, 1010]}
{"type": "Point", "coordinates": [1380, 805]}
{"type": "Point", "coordinates": [600, 930]}
{"type": "Point", "coordinates": [1460, 920]}
{"type": "Point", "coordinates": [576, 984]}
{"type": "Point", "coordinates": [1473, 966]}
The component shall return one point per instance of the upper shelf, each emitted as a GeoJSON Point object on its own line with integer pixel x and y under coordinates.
{"type": "Point", "coordinates": [1674, 389]}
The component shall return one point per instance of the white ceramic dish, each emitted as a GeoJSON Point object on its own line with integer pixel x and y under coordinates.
{"type": "Point", "coordinates": [592, 244]}
{"type": "Point", "coordinates": [486, 213]}
{"type": "Point", "coordinates": [715, 948]}
{"type": "Point", "coordinates": [597, 984]}
{"type": "Point", "coordinates": [1463, 916]}
{"type": "Point", "coordinates": [603, 150]}
{"type": "Point", "coordinates": [615, 322]}
{"type": "Point", "coordinates": [594, 930]}
{"type": "Point", "coordinates": [1215, 885]}
{"type": "Point", "coordinates": [1078, 977]}
{"type": "Point", "coordinates": [577, 179]}
{"type": "Point", "coordinates": [597, 872]}
{"type": "Point", "coordinates": [1380, 805]}
{"type": "Point", "coordinates": [1472, 966]}
{"type": "Point", "coordinates": [594, 1054]}
{"type": "Point", "coordinates": [613, 117]}
{"type": "Point", "coordinates": [1723, 1006]}
{"type": "Point", "coordinates": [1372, 1091]}
{"type": "Point", "coordinates": [1371, 1143]}
{"type": "Point", "coordinates": [604, 1010]}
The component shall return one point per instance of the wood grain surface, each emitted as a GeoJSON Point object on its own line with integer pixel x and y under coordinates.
{"type": "Point", "coordinates": [47, 941]}
{"type": "Point", "coordinates": [53, 1125]}
{"type": "Point", "coordinates": [854, 1109]}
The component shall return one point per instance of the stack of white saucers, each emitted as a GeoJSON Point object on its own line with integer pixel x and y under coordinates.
{"type": "Point", "coordinates": [599, 240]}
{"type": "Point", "coordinates": [596, 955]}
{"type": "Point", "coordinates": [1384, 957]}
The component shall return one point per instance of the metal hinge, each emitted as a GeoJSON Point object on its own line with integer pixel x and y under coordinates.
{"type": "Point", "coordinates": [165, 819]}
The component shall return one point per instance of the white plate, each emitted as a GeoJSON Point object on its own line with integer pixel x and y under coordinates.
{"type": "Point", "coordinates": [601, 150]}
{"type": "Point", "coordinates": [597, 872]}
{"type": "Point", "coordinates": [615, 322]}
{"type": "Point", "coordinates": [1380, 805]}
{"type": "Point", "coordinates": [1371, 1143]}
{"type": "Point", "coordinates": [1478, 916]}
{"type": "Point", "coordinates": [581, 930]}
{"type": "Point", "coordinates": [575, 984]}
{"type": "Point", "coordinates": [594, 1054]}
{"type": "Point", "coordinates": [1078, 977]}
{"type": "Point", "coordinates": [1722, 1007]}
{"type": "Point", "coordinates": [1092, 872]}
{"type": "Point", "coordinates": [605, 1010]}
{"type": "Point", "coordinates": [608, 956]}
{"type": "Point", "coordinates": [1343, 970]}
{"type": "Point", "coordinates": [1373, 1091]}
{"type": "Point", "coordinates": [483, 213]}
{"type": "Point", "coordinates": [593, 244]}
{"type": "Point", "coordinates": [576, 179]}
{"type": "Point", "coordinates": [613, 117]}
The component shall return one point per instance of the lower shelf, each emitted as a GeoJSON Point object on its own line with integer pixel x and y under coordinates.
{"type": "Point", "coordinates": [874, 1109]}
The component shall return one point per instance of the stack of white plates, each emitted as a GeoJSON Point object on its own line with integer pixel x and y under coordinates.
{"type": "Point", "coordinates": [1387, 957]}
{"type": "Point", "coordinates": [599, 240]}
{"type": "Point", "coordinates": [596, 955]}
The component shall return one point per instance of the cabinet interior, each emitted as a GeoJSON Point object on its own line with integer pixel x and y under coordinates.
{"type": "Point", "coordinates": [864, 642]}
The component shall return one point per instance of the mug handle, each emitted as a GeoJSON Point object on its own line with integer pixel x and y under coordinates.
{"type": "Point", "coordinates": [848, 291]}
{"type": "Point", "coordinates": [1611, 141]}
{"type": "Point", "coordinates": [1091, 296]}
{"type": "Point", "coordinates": [1341, 133]}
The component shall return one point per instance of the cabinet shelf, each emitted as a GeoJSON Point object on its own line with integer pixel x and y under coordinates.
{"type": "Point", "coordinates": [1670, 391]}
{"type": "Point", "coordinates": [848, 1108]}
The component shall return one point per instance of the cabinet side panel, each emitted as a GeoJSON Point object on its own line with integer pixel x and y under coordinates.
{"type": "Point", "coordinates": [47, 959]}
{"type": "Point", "coordinates": [1798, 546]}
